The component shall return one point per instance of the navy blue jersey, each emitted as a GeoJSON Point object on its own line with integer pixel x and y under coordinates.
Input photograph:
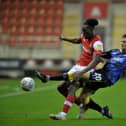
{"type": "Point", "coordinates": [115, 66]}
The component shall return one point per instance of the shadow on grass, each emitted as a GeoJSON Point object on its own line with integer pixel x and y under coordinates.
{"type": "Point", "coordinates": [114, 118]}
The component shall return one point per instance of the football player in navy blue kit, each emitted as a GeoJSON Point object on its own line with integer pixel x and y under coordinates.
{"type": "Point", "coordinates": [114, 66]}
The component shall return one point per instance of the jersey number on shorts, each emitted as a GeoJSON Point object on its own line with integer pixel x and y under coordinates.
{"type": "Point", "coordinates": [97, 77]}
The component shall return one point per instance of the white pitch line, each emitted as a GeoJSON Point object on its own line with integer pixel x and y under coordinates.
{"type": "Point", "coordinates": [23, 92]}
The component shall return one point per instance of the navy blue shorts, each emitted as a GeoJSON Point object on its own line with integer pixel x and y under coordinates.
{"type": "Point", "coordinates": [97, 80]}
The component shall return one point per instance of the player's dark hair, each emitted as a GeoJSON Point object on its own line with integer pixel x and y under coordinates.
{"type": "Point", "coordinates": [124, 36]}
{"type": "Point", "coordinates": [91, 22]}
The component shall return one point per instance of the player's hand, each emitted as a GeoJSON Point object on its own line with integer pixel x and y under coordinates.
{"type": "Point", "coordinates": [61, 37]}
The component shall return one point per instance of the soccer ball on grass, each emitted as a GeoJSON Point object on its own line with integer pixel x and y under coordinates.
{"type": "Point", "coordinates": [27, 84]}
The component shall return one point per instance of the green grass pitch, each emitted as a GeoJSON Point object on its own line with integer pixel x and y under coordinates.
{"type": "Point", "coordinates": [20, 108]}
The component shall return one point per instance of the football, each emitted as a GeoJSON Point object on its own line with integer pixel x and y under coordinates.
{"type": "Point", "coordinates": [27, 84]}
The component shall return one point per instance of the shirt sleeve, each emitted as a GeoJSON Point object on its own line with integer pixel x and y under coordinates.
{"type": "Point", "coordinates": [98, 47]}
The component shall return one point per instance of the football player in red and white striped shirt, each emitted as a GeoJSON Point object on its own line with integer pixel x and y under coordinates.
{"type": "Point", "coordinates": [92, 48]}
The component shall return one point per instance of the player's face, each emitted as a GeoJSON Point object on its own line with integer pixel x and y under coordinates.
{"type": "Point", "coordinates": [87, 31]}
{"type": "Point", "coordinates": [123, 45]}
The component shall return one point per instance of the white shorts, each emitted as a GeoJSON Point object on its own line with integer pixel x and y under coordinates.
{"type": "Point", "coordinates": [76, 68]}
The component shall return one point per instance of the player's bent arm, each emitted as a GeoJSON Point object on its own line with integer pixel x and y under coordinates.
{"type": "Point", "coordinates": [92, 64]}
{"type": "Point", "coordinates": [101, 64]}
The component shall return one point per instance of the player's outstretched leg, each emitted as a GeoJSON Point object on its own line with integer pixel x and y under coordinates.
{"type": "Point", "coordinates": [42, 77]}
{"type": "Point", "coordinates": [93, 105]}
